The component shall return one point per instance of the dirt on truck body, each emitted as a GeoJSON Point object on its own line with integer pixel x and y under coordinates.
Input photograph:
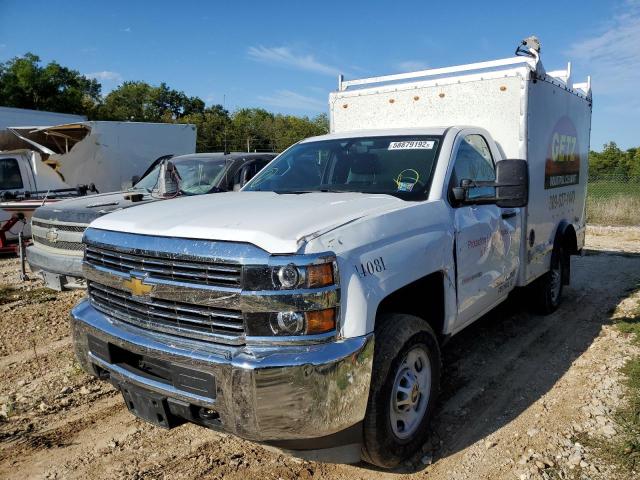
{"type": "Point", "coordinates": [520, 391]}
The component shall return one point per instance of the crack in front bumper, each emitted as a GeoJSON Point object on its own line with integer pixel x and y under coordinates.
{"type": "Point", "coordinates": [263, 393]}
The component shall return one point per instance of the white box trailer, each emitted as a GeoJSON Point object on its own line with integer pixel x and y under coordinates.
{"type": "Point", "coordinates": [107, 154]}
{"type": "Point", "coordinates": [23, 116]}
{"type": "Point", "coordinates": [542, 117]}
{"type": "Point", "coordinates": [60, 158]}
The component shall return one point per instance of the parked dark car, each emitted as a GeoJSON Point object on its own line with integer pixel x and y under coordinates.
{"type": "Point", "coordinates": [57, 229]}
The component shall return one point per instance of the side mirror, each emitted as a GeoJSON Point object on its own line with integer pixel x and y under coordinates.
{"type": "Point", "coordinates": [512, 183]}
{"type": "Point", "coordinates": [135, 179]}
{"type": "Point", "coordinates": [509, 190]}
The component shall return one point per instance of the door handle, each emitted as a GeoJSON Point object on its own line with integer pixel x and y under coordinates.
{"type": "Point", "coordinates": [509, 214]}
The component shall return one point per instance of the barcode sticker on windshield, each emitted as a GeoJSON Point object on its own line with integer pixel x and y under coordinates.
{"type": "Point", "coordinates": [412, 145]}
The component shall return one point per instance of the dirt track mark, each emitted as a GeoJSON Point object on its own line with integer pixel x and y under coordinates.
{"type": "Point", "coordinates": [28, 354]}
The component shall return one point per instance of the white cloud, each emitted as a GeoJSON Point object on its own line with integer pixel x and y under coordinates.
{"type": "Point", "coordinates": [612, 55]}
{"type": "Point", "coordinates": [411, 66]}
{"type": "Point", "coordinates": [127, 29]}
{"type": "Point", "coordinates": [293, 100]}
{"type": "Point", "coordinates": [285, 56]}
{"type": "Point", "coordinates": [105, 76]}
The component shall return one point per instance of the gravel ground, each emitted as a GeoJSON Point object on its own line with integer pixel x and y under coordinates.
{"type": "Point", "coordinates": [519, 390]}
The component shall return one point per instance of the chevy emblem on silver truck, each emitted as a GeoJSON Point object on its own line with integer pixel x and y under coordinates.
{"type": "Point", "coordinates": [52, 235]}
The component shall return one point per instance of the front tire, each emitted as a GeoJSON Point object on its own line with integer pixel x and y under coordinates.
{"type": "Point", "coordinates": [404, 389]}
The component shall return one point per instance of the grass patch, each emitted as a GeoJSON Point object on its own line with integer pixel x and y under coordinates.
{"type": "Point", "coordinates": [627, 450]}
{"type": "Point", "coordinates": [613, 201]}
{"type": "Point", "coordinates": [613, 210]}
{"type": "Point", "coordinates": [76, 368]}
{"type": "Point", "coordinates": [624, 450]}
{"type": "Point", "coordinates": [613, 188]}
{"type": "Point", "coordinates": [9, 294]}
{"type": "Point", "coordinates": [630, 326]}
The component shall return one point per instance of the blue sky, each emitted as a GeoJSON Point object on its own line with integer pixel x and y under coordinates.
{"type": "Point", "coordinates": [285, 55]}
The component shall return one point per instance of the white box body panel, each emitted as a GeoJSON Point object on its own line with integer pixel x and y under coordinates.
{"type": "Point", "coordinates": [495, 104]}
{"type": "Point", "coordinates": [530, 115]}
{"type": "Point", "coordinates": [558, 135]}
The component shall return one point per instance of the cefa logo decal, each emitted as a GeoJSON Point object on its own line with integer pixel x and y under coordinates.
{"type": "Point", "coordinates": [562, 167]}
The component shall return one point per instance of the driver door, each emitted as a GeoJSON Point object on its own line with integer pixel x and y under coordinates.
{"type": "Point", "coordinates": [486, 235]}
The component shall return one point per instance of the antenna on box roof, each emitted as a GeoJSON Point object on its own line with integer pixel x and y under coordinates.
{"type": "Point", "coordinates": [529, 47]}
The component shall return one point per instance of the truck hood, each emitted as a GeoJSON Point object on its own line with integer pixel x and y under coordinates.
{"type": "Point", "coordinates": [87, 209]}
{"type": "Point", "coordinates": [277, 223]}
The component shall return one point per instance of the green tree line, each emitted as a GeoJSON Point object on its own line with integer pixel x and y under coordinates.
{"type": "Point", "coordinates": [26, 83]}
{"type": "Point", "coordinates": [614, 161]}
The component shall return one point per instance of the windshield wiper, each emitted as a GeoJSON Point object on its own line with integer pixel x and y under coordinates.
{"type": "Point", "coordinates": [293, 192]}
{"type": "Point", "coordinates": [320, 190]}
{"type": "Point", "coordinates": [334, 190]}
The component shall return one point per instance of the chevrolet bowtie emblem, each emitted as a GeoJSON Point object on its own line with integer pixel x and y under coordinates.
{"type": "Point", "coordinates": [137, 287]}
{"type": "Point", "coordinates": [52, 235]}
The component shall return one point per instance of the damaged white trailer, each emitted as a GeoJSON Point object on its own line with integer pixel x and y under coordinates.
{"type": "Point", "coordinates": [107, 154]}
{"type": "Point", "coordinates": [52, 162]}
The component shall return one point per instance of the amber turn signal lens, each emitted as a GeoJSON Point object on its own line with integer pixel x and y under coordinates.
{"type": "Point", "coordinates": [321, 321]}
{"type": "Point", "coordinates": [319, 275]}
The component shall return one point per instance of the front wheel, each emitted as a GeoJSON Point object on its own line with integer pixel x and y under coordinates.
{"type": "Point", "coordinates": [404, 388]}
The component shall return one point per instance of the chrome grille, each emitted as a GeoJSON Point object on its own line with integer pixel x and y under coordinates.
{"type": "Point", "coordinates": [176, 318]}
{"type": "Point", "coordinates": [183, 270]}
{"type": "Point", "coordinates": [59, 226]}
{"type": "Point", "coordinates": [59, 244]}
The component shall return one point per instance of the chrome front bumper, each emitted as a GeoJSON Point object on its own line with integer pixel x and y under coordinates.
{"type": "Point", "coordinates": [262, 393]}
{"type": "Point", "coordinates": [41, 259]}
{"type": "Point", "coordinates": [58, 270]}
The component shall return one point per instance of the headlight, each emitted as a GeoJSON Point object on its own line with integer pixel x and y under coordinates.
{"type": "Point", "coordinates": [297, 306]}
{"type": "Point", "coordinates": [287, 323]}
{"type": "Point", "coordinates": [291, 324]}
{"type": "Point", "coordinates": [289, 277]}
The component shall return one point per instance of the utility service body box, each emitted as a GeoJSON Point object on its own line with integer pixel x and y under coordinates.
{"type": "Point", "coordinates": [531, 114]}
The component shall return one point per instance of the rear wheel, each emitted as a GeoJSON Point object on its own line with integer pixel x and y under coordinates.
{"type": "Point", "coordinates": [547, 290]}
{"type": "Point", "coordinates": [404, 387]}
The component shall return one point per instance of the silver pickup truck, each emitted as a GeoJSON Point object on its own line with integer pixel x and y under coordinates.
{"type": "Point", "coordinates": [57, 229]}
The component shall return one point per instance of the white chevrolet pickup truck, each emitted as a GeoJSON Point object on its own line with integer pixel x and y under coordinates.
{"type": "Point", "coordinates": [308, 311]}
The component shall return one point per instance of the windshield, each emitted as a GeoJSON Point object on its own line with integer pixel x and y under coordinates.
{"type": "Point", "coordinates": [398, 165]}
{"type": "Point", "coordinates": [198, 175]}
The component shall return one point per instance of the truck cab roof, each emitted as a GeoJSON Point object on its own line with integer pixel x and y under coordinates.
{"type": "Point", "coordinates": [380, 132]}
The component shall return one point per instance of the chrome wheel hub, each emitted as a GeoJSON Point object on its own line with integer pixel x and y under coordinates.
{"type": "Point", "coordinates": [410, 393]}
